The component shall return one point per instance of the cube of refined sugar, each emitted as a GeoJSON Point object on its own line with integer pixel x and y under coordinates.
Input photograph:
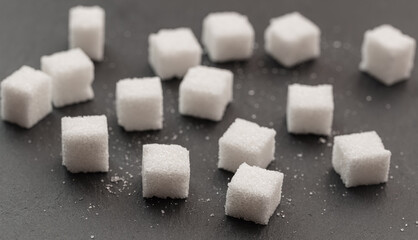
{"type": "Point", "coordinates": [171, 52]}
{"type": "Point", "coordinates": [165, 171]}
{"type": "Point", "coordinates": [246, 142]}
{"type": "Point", "coordinates": [361, 159]}
{"type": "Point", "coordinates": [387, 54]}
{"type": "Point", "coordinates": [227, 36]}
{"type": "Point", "coordinates": [72, 74]}
{"type": "Point", "coordinates": [205, 92]}
{"type": "Point", "coordinates": [310, 109]}
{"type": "Point", "coordinates": [292, 39]}
{"type": "Point", "coordinates": [26, 97]}
{"type": "Point", "coordinates": [85, 144]}
{"type": "Point", "coordinates": [87, 30]}
{"type": "Point", "coordinates": [253, 194]}
{"type": "Point", "coordinates": [139, 104]}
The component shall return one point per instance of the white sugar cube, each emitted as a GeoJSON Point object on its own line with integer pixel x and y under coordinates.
{"type": "Point", "coordinates": [387, 54]}
{"type": "Point", "coordinates": [205, 92]}
{"type": "Point", "coordinates": [292, 39]}
{"type": "Point", "coordinates": [227, 36]}
{"type": "Point", "coordinates": [139, 104]}
{"type": "Point", "coordinates": [87, 30]}
{"type": "Point", "coordinates": [310, 109]}
{"type": "Point", "coordinates": [246, 142]}
{"type": "Point", "coordinates": [253, 194]}
{"type": "Point", "coordinates": [165, 171]}
{"type": "Point", "coordinates": [361, 159]}
{"type": "Point", "coordinates": [72, 74]}
{"type": "Point", "coordinates": [26, 97]}
{"type": "Point", "coordinates": [85, 144]}
{"type": "Point", "coordinates": [172, 52]}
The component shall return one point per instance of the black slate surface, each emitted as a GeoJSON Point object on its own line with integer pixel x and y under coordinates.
{"type": "Point", "coordinates": [39, 199]}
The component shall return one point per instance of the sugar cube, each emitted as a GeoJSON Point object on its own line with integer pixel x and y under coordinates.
{"type": "Point", "coordinates": [139, 104]}
{"type": "Point", "coordinates": [85, 144]}
{"type": "Point", "coordinates": [227, 36]}
{"type": "Point", "coordinates": [387, 54]}
{"type": "Point", "coordinates": [254, 194]}
{"type": "Point", "coordinates": [165, 171]}
{"type": "Point", "coordinates": [26, 97]}
{"type": "Point", "coordinates": [205, 92]}
{"type": "Point", "coordinates": [360, 159]}
{"type": "Point", "coordinates": [246, 142]}
{"type": "Point", "coordinates": [310, 109]}
{"type": "Point", "coordinates": [87, 30]}
{"type": "Point", "coordinates": [72, 74]}
{"type": "Point", "coordinates": [172, 52]}
{"type": "Point", "coordinates": [292, 39]}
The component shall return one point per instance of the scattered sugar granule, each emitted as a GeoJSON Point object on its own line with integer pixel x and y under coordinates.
{"type": "Point", "coordinates": [336, 44]}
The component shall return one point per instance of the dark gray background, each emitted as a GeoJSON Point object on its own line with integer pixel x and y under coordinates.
{"type": "Point", "coordinates": [39, 199]}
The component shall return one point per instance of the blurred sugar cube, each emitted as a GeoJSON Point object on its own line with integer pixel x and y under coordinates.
{"type": "Point", "coordinates": [310, 109]}
{"type": "Point", "coordinates": [171, 52]}
{"type": "Point", "coordinates": [227, 36]}
{"type": "Point", "coordinates": [72, 74]}
{"type": "Point", "coordinates": [139, 104]}
{"type": "Point", "coordinates": [205, 92]}
{"type": "Point", "coordinates": [87, 30]}
{"type": "Point", "coordinates": [26, 97]}
{"type": "Point", "coordinates": [292, 39]}
{"type": "Point", "coordinates": [387, 54]}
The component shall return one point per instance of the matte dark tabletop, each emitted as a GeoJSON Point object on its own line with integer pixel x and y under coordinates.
{"type": "Point", "coordinates": [40, 199]}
